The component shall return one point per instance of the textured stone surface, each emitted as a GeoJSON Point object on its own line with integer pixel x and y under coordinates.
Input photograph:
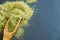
{"type": "Point", "coordinates": [45, 25]}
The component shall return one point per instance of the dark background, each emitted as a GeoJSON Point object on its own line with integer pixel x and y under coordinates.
{"type": "Point", "coordinates": [45, 23]}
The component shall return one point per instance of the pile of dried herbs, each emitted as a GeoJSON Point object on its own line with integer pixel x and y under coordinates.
{"type": "Point", "coordinates": [14, 11]}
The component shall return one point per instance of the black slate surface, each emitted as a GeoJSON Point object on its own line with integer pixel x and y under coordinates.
{"type": "Point", "coordinates": [45, 23]}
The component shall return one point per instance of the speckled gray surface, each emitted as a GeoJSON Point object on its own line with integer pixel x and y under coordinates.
{"type": "Point", "coordinates": [45, 24]}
